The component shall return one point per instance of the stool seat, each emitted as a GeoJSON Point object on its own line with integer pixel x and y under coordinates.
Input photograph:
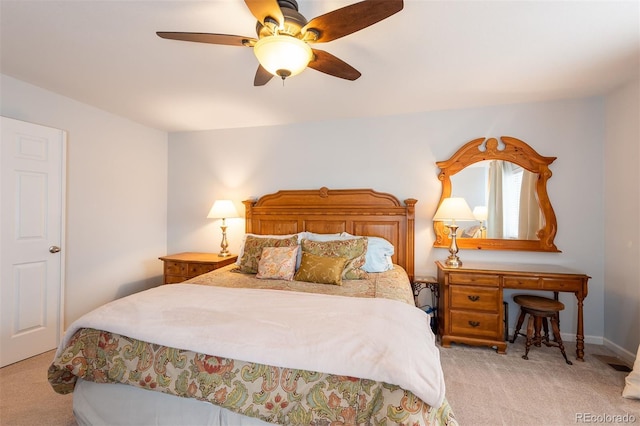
{"type": "Point", "coordinates": [538, 303]}
{"type": "Point", "coordinates": [539, 310]}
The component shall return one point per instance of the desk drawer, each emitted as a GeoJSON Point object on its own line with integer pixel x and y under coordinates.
{"type": "Point", "coordinates": [534, 283]}
{"type": "Point", "coordinates": [522, 282]}
{"type": "Point", "coordinates": [474, 279]}
{"type": "Point", "coordinates": [475, 324]}
{"type": "Point", "coordinates": [475, 298]}
{"type": "Point", "coordinates": [561, 285]}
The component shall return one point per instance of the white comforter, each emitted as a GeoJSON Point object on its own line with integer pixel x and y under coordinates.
{"type": "Point", "coordinates": [378, 339]}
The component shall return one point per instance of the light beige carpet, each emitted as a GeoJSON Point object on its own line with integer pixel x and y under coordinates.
{"type": "Point", "coordinates": [483, 388]}
{"type": "Point", "coordinates": [27, 399]}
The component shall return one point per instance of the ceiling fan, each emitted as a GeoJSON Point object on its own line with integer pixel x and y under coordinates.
{"type": "Point", "coordinates": [282, 46]}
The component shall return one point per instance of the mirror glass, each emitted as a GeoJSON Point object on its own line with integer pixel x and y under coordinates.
{"type": "Point", "coordinates": [505, 184]}
{"type": "Point", "coordinates": [502, 215]}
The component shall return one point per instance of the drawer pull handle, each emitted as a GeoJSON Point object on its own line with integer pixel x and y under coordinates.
{"type": "Point", "coordinates": [474, 323]}
{"type": "Point", "coordinates": [473, 298]}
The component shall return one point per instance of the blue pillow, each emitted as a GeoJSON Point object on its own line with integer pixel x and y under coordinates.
{"type": "Point", "coordinates": [378, 256]}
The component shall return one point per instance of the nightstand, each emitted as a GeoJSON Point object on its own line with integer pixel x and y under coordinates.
{"type": "Point", "coordinates": [183, 266]}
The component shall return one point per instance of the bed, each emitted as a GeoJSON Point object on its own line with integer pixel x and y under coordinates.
{"type": "Point", "coordinates": [314, 325]}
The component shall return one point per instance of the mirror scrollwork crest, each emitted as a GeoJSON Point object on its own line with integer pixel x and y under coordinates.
{"type": "Point", "coordinates": [477, 164]}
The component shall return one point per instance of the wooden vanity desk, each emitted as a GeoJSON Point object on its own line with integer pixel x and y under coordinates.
{"type": "Point", "coordinates": [470, 307]}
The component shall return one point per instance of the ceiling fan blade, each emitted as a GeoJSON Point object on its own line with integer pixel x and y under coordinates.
{"type": "Point", "coordinates": [226, 39]}
{"type": "Point", "coordinates": [262, 76]}
{"type": "Point", "coordinates": [352, 18]}
{"type": "Point", "coordinates": [262, 9]}
{"type": "Point", "coordinates": [329, 64]}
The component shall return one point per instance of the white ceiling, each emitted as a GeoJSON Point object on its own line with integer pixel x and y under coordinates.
{"type": "Point", "coordinates": [432, 55]}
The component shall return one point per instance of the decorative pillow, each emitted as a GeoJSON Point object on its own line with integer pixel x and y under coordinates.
{"type": "Point", "coordinates": [471, 232]}
{"type": "Point", "coordinates": [253, 246]}
{"type": "Point", "coordinates": [300, 235]}
{"type": "Point", "coordinates": [278, 263]}
{"type": "Point", "coordinates": [321, 269]}
{"type": "Point", "coordinates": [378, 256]}
{"type": "Point", "coordinates": [353, 249]}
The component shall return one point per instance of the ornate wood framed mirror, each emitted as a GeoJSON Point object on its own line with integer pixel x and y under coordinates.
{"type": "Point", "coordinates": [507, 180]}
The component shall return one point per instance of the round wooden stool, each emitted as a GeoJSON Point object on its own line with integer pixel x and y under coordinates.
{"type": "Point", "coordinates": [539, 309]}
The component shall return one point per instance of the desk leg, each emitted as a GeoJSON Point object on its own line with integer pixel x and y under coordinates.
{"type": "Point", "coordinates": [580, 331]}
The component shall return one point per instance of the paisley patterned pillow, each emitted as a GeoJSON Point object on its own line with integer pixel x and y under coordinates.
{"type": "Point", "coordinates": [278, 263]}
{"type": "Point", "coordinates": [321, 269]}
{"type": "Point", "coordinates": [353, 249]}
{"type": "Point", "coordinates": [253, 250]}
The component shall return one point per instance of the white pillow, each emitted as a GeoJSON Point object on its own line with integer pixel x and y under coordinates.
{"type": "Point", "coordinates": [321, 237]}
{"type": "Point", "coordinates": [632, 387]}
{"type": "Point", "coordinates": [378, 256]}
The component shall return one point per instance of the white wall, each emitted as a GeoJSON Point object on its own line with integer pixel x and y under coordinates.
{"type": "Point", "coordinates": [116, 195]}
{"type": "Point", "coordinates": [397, 154]}
{"type": "Point", "coordinates": [117, 187]}
{"type": "Point", "coordinates": [622, 219]}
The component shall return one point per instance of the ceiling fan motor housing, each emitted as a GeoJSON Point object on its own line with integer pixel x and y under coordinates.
{"type": "Point", "coordinates": [293, 21]}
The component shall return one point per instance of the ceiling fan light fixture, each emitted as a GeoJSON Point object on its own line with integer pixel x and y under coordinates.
{"type": "Point", "coordinates": [283, 55]}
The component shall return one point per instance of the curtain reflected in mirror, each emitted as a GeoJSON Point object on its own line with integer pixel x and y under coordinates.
{"type": "Point", "coordinates": [530, 218]}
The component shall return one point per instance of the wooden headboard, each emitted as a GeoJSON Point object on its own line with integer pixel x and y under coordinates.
{"type": "Point", "coordinates": [363, 212]}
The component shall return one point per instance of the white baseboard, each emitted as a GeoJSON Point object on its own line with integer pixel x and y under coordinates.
{"type": "Point", "coordinates": [622, 353]}
{"type": "Point", "coordinates": [628, 357]}
{"type": "Point", "coordinates": [594, 340]}
{"type": "Point", "coordinates": [568, 337]}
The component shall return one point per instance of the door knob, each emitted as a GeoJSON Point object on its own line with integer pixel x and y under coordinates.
{"type": "Point", "coordinates": [54, 249]}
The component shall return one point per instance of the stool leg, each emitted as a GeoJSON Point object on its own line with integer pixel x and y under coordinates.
{"type": "Point", "coordinates": [518, 325]}
{"type": "Point", "coordinates": [529, 337]}
{"type": "Point", "coordinates": [545, 326]}
{"type": "Point", "coordinates": [536, 336]}
{"type": "Point", "coordinates": [556, 335]}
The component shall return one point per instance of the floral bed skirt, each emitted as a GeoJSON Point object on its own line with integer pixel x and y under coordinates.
{"type": "Point", "coordinates": [273, 394]}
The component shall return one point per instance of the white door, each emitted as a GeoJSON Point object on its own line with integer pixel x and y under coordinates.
{"type": "Point", "coordinates": [32, 178]}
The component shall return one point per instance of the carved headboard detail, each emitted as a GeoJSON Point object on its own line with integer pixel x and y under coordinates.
{"type": "Point", "coordinates": [363, 212]}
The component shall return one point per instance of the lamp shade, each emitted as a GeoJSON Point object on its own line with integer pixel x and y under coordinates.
{"type": "Point", "coordinates": [480, 213]}
{"type": "Point", "coordinates": [222, 209]}
{"type": "Point", "coordinates": [452, 209]}
{"type": "Point", "coordinates": [283, 55]}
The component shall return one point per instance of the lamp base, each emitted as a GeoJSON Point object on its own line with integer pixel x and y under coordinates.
{"type": "Point", "coordinates": [223, 244]}
{"type": "Point", "coordinates": [453, 262]}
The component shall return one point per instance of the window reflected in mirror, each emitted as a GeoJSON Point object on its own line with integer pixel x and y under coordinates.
{"type": "Point", "coordinates": [503, 197]}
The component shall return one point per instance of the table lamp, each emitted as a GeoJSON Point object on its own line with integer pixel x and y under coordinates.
{"type": "Point", "coordinates": [452, 209]}
{"type": "Point", "coordinates": [223, 209]}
